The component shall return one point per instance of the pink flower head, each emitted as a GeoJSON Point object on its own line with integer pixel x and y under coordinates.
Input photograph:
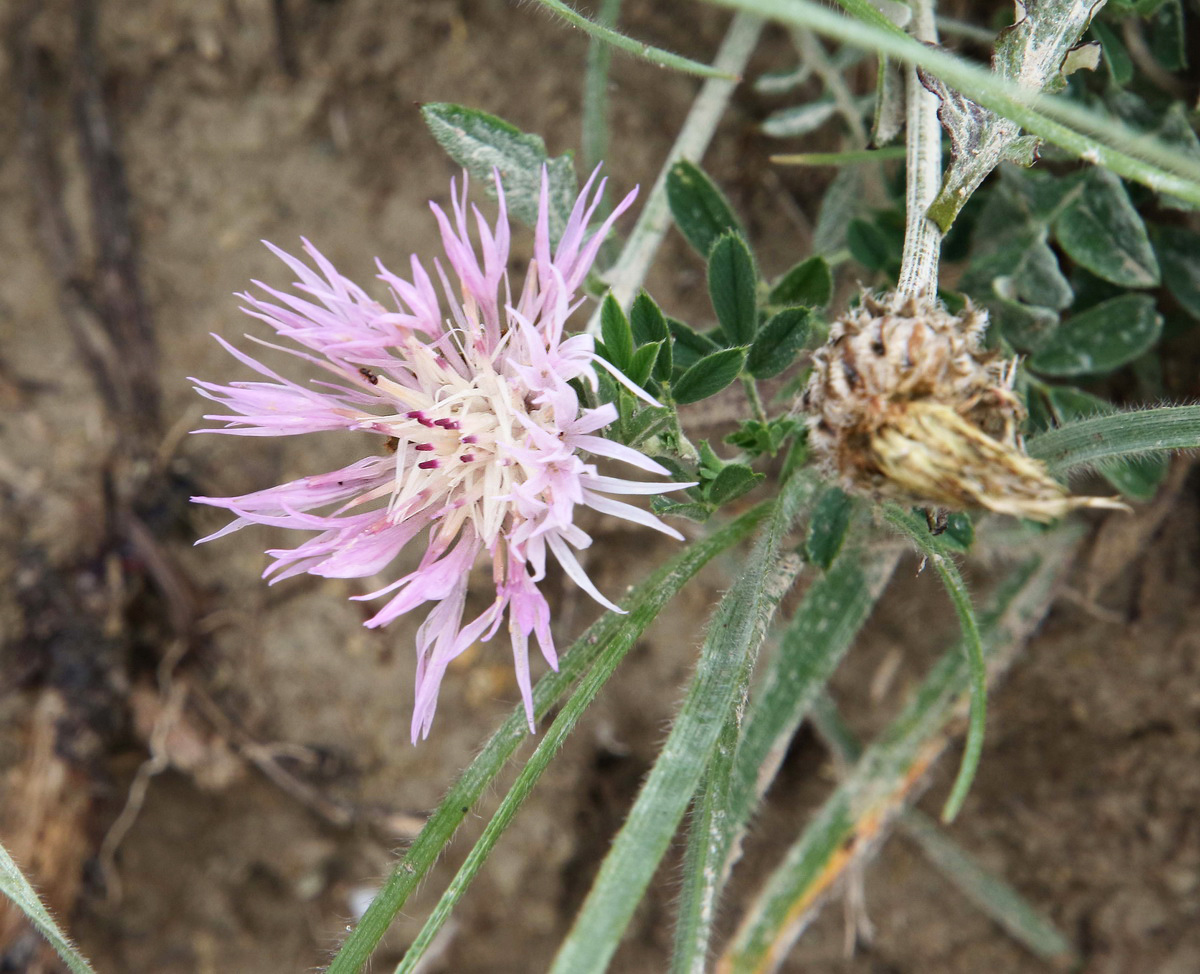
{"type": "Point", "coordinates": [484, 443]}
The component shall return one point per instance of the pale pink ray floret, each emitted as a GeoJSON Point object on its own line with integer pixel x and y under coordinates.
{"type": "Point", "coordinates": [485, 444]}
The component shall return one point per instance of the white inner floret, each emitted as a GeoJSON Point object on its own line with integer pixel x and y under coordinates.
{"type": "Point", "coordinates": [455, 440]}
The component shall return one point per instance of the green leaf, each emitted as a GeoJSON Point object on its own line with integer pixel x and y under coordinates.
{"type": "Point", "coordinates": [1036, 279]}
{"type": "Point", "coordinates": [936, 551]}
{"type": "Point", "coordinates": [647, 320]}
{"type": "Point", "coordinates": [700, 209]}
{"type": "Point", "coordinates": [611, 636]}
{"type": "Point", "coordinates": [1142, 431]}
{"type": "Point", "coordinates": [816, 639]}
{"type": "Point", "coordinates": [1168, 37]}
{"type": "Point", "coordinates": [868, 245]}
{"type": "Point", "coordinates": [480, 142]}
{"type": "Point", "coordinates": [1135, 477]}
{"type": "Point", "coordinates": [1101, 338]}
{"type": "Point", "coordinates": [775, 347]}
{"type": "Point", "coordinates": [1036, 52]}
{"type": "Point", "coordinates": [709, 376]}
{"type": "Point", "coordinates": [828, 526]}
{"type": "Point", "coordinates": [689, 346]}
{"type": "Point", "coordinates": [733, 288]}
{"type": "Point", "coordinates": [756, 437]}
{"type": "Point", "coordinates": [693, 512]}
{"type": "Point", "coordinates": [960, 531]}
{"type": "Point", "coordinates": [1116, 58]}
{"type": "Point", "coordinates": [991, 894]}
{"type": "Point", "coordinates": [799, 119]}
{"type": "Point", "coordinates": [853, 819]}
{"type": "Point", "coordinates": [642, 361]}
{"type": "Point", "coordinates": [15, 886]}
{"type": "Point", "coordinates": [841, 202]}
{"type": "Point", "coordinates": [1179, 254]}
{"type": "Point", "coordinates": [730, 648]}
{"type": "Point", "coordinates": [732, 482]}
{"type": "Point", "coordinates": [1027, 326]}
{"type": "Point", "coordinates": [640, 49]}
{"type": "Point", "coordinates": [616, 333]}
{"type": "Point", "coordinates": [1102, 231]}
{"type": "Point", "coordinates": [810, 282]}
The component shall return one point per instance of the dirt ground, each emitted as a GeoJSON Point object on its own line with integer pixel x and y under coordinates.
{"type": "Point", "coordinates": [282, 781]}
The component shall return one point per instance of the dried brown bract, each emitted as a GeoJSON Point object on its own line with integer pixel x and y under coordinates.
{"type": "Point", "coordinates": [904, 403]}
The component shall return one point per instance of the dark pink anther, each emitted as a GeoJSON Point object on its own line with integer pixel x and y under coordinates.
{"type": "Point", "coordinates": [424, 447]}
{"type": "Point", "coordinates": [420, 417]}
{"type": "Point", "coordinates": [469, 438]}
{"type": "Point", "coordinates": [428, 465]}
{"type": "Point", "coordinates": [448, 424]}
{"type": "Point", "coordinates": [467, 458]}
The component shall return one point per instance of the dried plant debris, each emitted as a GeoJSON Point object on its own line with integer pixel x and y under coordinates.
{"type": "Point", "coordinates": [905, 404]}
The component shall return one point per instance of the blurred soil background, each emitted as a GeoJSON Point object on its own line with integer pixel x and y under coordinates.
{"type": "Point", "coordinates": [205, 774]}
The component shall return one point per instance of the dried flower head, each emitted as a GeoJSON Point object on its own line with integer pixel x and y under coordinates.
{"type": "Point", "coordinates": [482, 439]}
{"type": "Point", "coordinates": [904, 403]}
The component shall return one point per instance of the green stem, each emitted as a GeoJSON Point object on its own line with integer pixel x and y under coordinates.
{"type": "Point", "coordinates": [923, 172]}
{"type": "Point", "coordinates": [629, 272]}
{"type": "Point", "coordinates": [755, 400]}
{"type": "Point", "coordinates": [647, 52]}
{"type": "Point", "coordinates": [594, 135]}
{"type": "Point", "coordinates": [729, 649]}
{"type": "Point", "coordinates": [446, 818]}
{"type": "Point", "coordinates": [932, 548]}
{"type": "Point", "coordinates": [1089, 135]}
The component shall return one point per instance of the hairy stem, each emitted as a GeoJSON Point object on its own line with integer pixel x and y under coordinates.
{"type": "Point", "coordinates": [630, 269]}
{"type": "Point", "coordinates": [923, 144]}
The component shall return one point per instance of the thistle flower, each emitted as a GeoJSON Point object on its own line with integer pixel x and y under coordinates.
{"type": "Point", "coordinates": [482, 439]}
{"type": "Point", "coordinates": [904, 403]}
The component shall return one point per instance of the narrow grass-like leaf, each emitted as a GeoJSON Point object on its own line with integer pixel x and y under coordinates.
{"type": "Point", "coordinates": [848, 158]}
{"type": "Point", "coordinates": [1136, 477]}
{"type": "Point", "coordinates": [708, 830]}
{"type": "Point", "coordinates": [828, 526]}
{"type": "Point", "coordinates": [991, 894]}
{"type": "Point", "coordinates": [1119, 435]}
{"type": "Point", "coordinates": [655, 55]}
{"type": "Point", "coordinates": [15, 886]}
{"type": "Point", "coordinates": [593, 140]}
{"type": "Point", "coordinates": [480, 142]}
{"type": "Point", "coordinates": [822, 630]}
{"type": "Point", "coordinates": [728, 650]}
{"type": "Point", "coordinates": [551, 742]}
{"type": "Point", "coordinates": [1099, 138]}
{"type": "Point", "coordinates": [855, 818]}
{"type": "Point", "coordinates": [645, 603]}
{"type": "Point", "coordinates": [934, 549]}
{"type": "Point", "coordinates": [994, 897]}
{"type": "Point", "coordinates": [702, 855]}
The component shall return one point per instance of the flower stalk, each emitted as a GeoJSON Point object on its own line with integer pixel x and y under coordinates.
{"type": "Point", "coordinates": [923, 151]}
